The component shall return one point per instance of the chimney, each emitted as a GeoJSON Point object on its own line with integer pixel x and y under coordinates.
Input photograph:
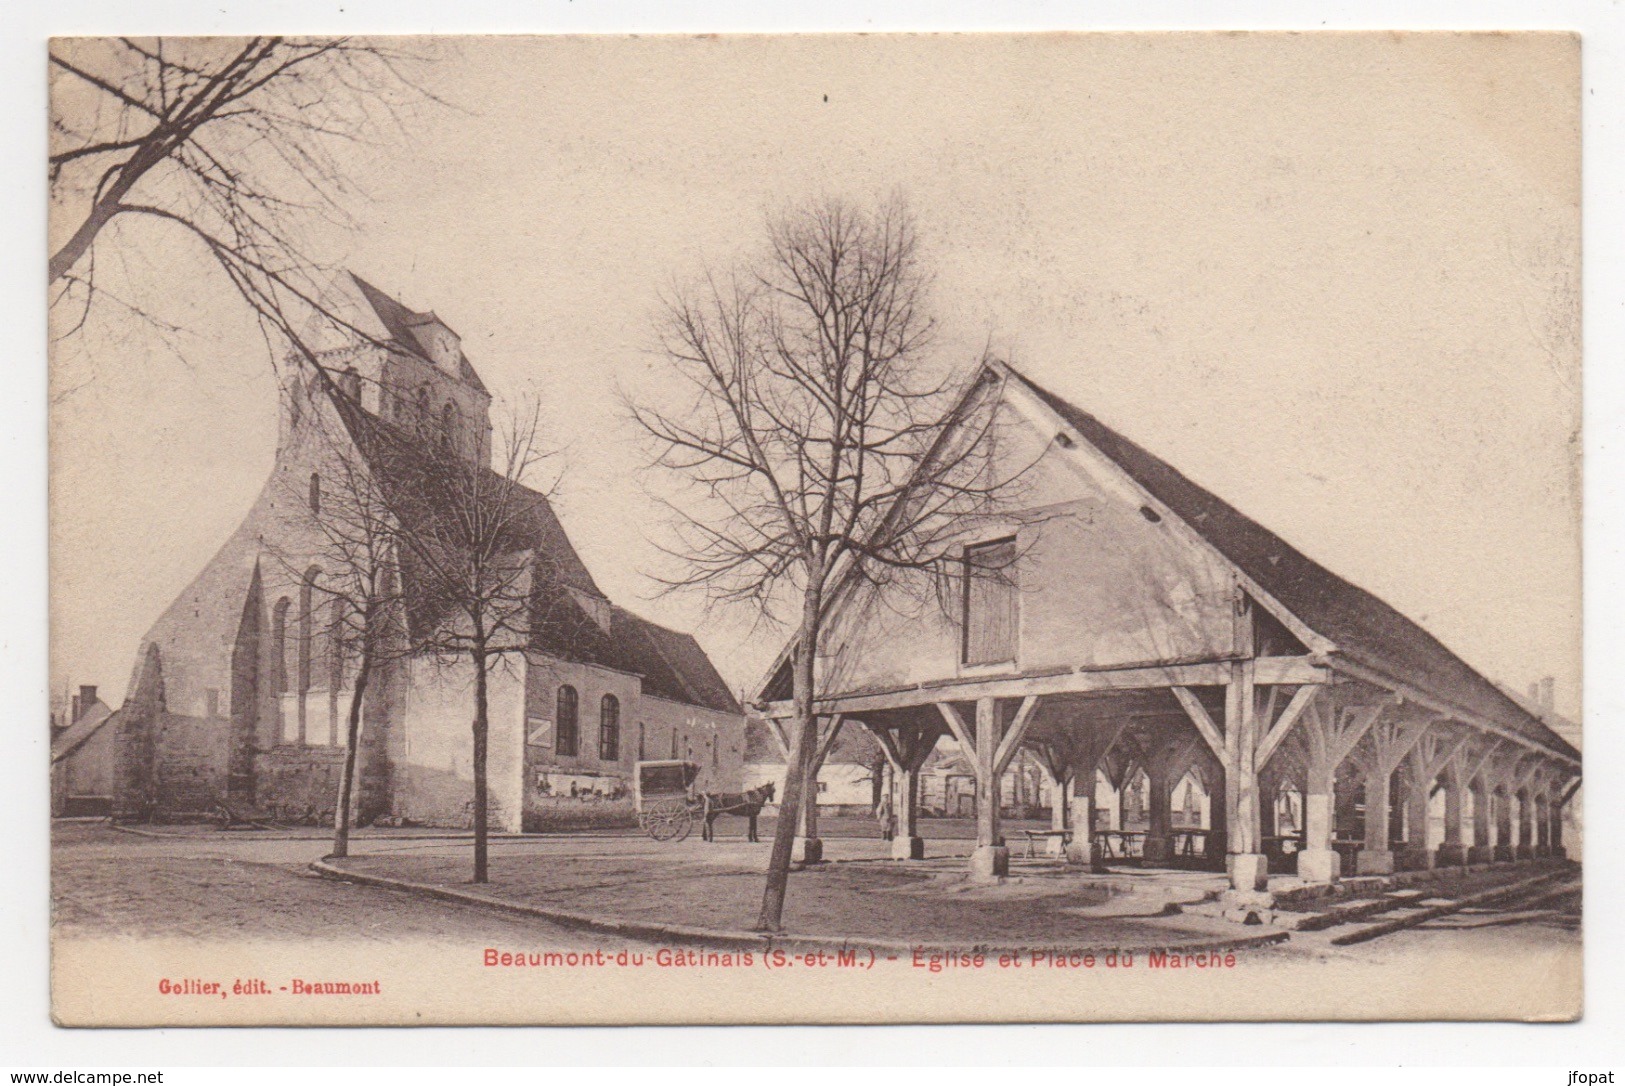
{"type": "Point", "coordinates": [1547, 699]}
{"type": "Point", "coordinates": [83, 703]}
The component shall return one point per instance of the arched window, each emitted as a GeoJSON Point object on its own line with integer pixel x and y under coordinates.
{"type": "Point", "coordinates": [448, 426]}
{"type": "Point", "coordinates": [279, 646]}
{"type": "Point", "coordinates": [288, 722]}
{"type": "Point", "coordinates": [423, 408]}
{"type": "Point", "coordinates": [609, 729]}
{"type": "Point", "coordinates": [308, 653]}
{"type": "Point", "coordinates": [315, 493]}
{"type": "Point", "coordinates": [340, 643]}
{"type": "Point", "coordinates": [640, 741]}
{"type": "Point", "coordinates": [307, 626]}
{"type": "Point", "coordinates": [568, 733]}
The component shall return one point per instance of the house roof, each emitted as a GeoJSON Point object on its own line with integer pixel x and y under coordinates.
{"type": "Point", "coordinates": [402, 323]}
{"type": "Point", "coordinates": [79, 732]}
{"type": "Point", "coordinates": [1363, 628]}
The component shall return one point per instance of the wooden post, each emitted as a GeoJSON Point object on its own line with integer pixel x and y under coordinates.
{"type": "Point", "coordinates": [809, 847]}
{"type": "Point", "coordinates": [1331, 730]}
{"type": "Point", "coordinates": [1543, 824]}
{"type": "Point", "coordinates": [1244, 833]}
{"type": "Point", "coordinates": [1525, 848]}
{"type": "Point", "coordinates": [991, 858]}
{"type": "Point", "coordinates": [1389, 741]}
{"type": "Point", "coordinates": [1451, 852]}
{"type": "Point", "coordinates": [1475, 773]}
{"type": "Point", "coordinates": [906, 749]}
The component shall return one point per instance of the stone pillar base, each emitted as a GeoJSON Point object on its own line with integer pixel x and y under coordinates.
{"type": "Point", "coordinates": [1416, 859]}
{"type": "Point", "coordinates": [908, 848]}
{"type": "Point", "coordinates": [1559, 852]}
{"type": "Point", "coordinates": [1504, 854]}
{"type": "Point", "coordinates": [1319, 865]}
{"type": "Point", "coordinates": [1523, 852]}
{"type": "Point", "coordinates": [1481, 854]}
{"type": "Point", "coordinates": [1248, 870]}
{"type": "Point", "coordinates": [990, 862]}
{"type": "Point", "coordinates": [1158, 850]}
{"type": "Point", "coordinates": [809, 850]}
{"type": "Point", "coordinates": [1080, 851]}
{"type": "Point", "coordinates": [1450, 856]}
{"type": "Point", "coordinates": [1374, 861]}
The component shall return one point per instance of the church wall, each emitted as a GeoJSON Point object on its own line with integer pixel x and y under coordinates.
{"type": "Point", "coordinates": [196, 636]}
{"type": "Point", "coordinates": [219, 661]}
{"type": "Point", "coordinates": [434, 777]}
{"type": "Point", "coordinates": [564, 790]}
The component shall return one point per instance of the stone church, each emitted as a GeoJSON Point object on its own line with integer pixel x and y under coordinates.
{"type": "Point", "coordinates": [241, 693]}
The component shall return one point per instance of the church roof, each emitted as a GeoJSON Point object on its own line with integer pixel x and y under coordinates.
{"type": "Point", "coordinates": [402, 324]}
{"type": "Point", "coordinates": [672, 664]}
{"type": "Point", "coordinates": [1364, 628]}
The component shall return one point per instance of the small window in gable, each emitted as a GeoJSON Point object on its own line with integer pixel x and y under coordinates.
{"type": "Point", "coordinates": [990, 615]}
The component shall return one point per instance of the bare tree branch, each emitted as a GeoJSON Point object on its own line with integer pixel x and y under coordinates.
{"type": "Point", "coordinates": [821, 444]}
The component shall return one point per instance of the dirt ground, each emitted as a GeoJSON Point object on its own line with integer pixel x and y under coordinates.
{"type": "Point", "coordinates": [108, 883]}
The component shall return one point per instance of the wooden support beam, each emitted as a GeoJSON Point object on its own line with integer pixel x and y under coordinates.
{"type": "Point", "coordinates": [1289, 671]}
{"type": "Point", "coordinates": [1523, 772]}
{"type": "Point", "coordinates": [1066, 682]}
{"type": "Point", "coordinates": [775, 728]}
{"type": "Point", "coordinates": [1454, 712]}
{"type": "Point", "coordinates": [1011, 740]}
{"type": "Point", "coordinates": [827, 740]}
{"type": "Point", "coordinates": [1472, 770]}
{"type": "Point", "coordinates": [886, 742]}
{"type": "Point", "coordinates": [1295, 708]}
{"type": "Point", "coordinates": [1204, 724]}
{"type": "Point", "coordinates": [1355, 726]}
{"type": "Point", "coordinates": [961, 731]}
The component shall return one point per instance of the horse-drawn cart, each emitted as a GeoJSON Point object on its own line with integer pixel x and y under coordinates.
{"type": "Point", "coordinates": [665, 798]}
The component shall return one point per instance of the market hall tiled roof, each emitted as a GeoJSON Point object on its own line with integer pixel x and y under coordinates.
{"type": "Point", "coordinates": [1363, 628]}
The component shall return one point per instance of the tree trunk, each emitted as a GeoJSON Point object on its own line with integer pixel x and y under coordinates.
{"type": "Point", "coordinates": [481, 798]}
{"type": "Point", "coordinates": [341, 813]}
{"type": "Point", "coordinates": [802, 755]}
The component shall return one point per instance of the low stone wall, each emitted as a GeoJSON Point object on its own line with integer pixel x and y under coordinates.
{"type": "Point", "coordinates": [555, 814]}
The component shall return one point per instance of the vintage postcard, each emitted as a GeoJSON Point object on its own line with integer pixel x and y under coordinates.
{"type": "Point", "coordinates": [827, 528]}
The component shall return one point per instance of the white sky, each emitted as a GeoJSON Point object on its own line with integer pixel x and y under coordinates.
{"type": "Point", "coordinates": [1332, 279]}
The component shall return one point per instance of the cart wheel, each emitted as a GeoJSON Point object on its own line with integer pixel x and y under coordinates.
{"type": "Point", "coordinates": [669, 823]}
{"type": "Point", "coordinates": [683, 817]}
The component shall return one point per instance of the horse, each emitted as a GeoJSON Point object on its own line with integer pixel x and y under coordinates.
{"type": "Point", "coordinates": [747, 804]}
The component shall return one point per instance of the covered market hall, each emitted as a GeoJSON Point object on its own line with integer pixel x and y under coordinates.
{"type": "Point", "coordinates": [1131, 631]}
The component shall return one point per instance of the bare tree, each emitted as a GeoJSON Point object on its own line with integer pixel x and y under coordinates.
{"type": "Point", "coordinates": [357, 548]}
{"type": "Point", "coordinates": [230, 144]}
{"type": "Point", "coordinates": [483, 580]}
{"type": "Point", "coordinates": [822, 446]}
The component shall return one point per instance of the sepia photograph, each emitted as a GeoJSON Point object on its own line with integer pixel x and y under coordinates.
{"type": "Point", "coordinates": [826, 528]}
